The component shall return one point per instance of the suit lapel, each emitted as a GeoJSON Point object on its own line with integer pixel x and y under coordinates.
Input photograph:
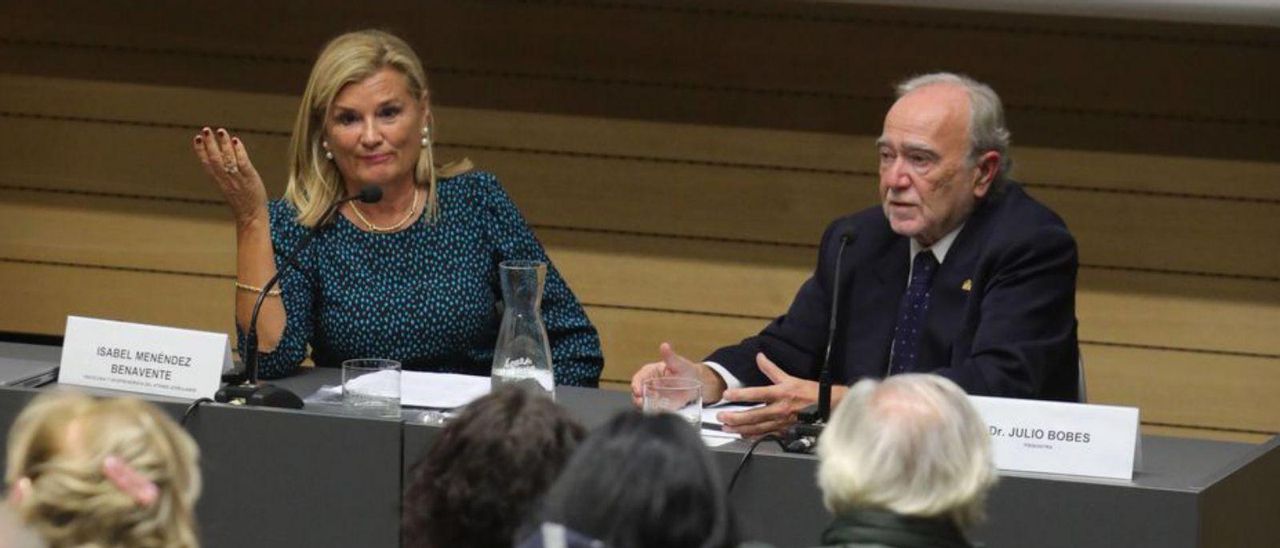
{"type": "Point", "coordinates": [889, 281]}
{"type": "Point", "coordinates": [952, 286]}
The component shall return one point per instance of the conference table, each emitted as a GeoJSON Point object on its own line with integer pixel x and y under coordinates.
{"type": "Point", "coordinates": [322, 477]}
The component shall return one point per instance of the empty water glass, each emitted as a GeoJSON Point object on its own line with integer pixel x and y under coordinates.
{"type": "Point", "coordinates": [371, 386]}
{"type": "Point", "coordinates": [679, 395]}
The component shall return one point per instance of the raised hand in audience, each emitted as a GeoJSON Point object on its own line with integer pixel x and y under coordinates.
{"type": "Point", "coordinates": [675, 365]}
{"type": "Point", "coordinates": [227, 162]}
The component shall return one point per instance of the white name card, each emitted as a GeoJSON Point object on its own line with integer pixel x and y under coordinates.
{"type": "Point", "coordinates": [1062, 438]}
{"type": "Point", "coordinates": [162, 361]}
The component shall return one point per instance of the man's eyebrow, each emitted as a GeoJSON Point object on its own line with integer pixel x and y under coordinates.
{"type": "Point", "coordinates": [908, 147]}
{"type": "Point", "coordinates": [920, 147]}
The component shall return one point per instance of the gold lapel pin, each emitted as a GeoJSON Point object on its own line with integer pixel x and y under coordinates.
{"type": "Point", "coordinates": [967, 285]}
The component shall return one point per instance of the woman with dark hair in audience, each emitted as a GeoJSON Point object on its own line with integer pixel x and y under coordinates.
{"type": "Point", "coordinates": [643, 481]}
{"type": "Point", "coordinates": [477, 483]}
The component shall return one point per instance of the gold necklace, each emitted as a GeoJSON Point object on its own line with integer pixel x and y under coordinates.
{"type": "Point", "coordinates": [413, 206]}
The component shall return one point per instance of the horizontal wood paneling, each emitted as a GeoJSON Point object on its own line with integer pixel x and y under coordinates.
{"type": "Point", "coordinates": [1184, 388]}
{"type": "Point", "coordinates": [1066, 79]}
{"type": "Point", "coordinates": [1203, 433]}
{"type": "Point", "coordinates": [1174, 233]}
{"type": "Point", "coordinates": [660, 173]}
{"type": "Point", "coordinates": [122, 159]}
{"type": "Point", "coordinates": [39, 297]}
{"type": "Point", "coordinates": [752, 281]}
{"type": "Point", "coordinates": [1168, 386]}
{"type": "Point", "coordinates": [851, 155]}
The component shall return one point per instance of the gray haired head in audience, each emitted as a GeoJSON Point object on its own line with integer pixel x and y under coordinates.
{"type": "Point", "coordinates": [987, 130]}
{"type": "Point", "coordinates": [912, 445]}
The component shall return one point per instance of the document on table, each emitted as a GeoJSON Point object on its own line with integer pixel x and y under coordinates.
{"type": "Point", "coordinates": [711, 432]}
{"type": "Point", "coordinates": [440, 390]}
{"type": "Point", "coordinates": [418, 389]}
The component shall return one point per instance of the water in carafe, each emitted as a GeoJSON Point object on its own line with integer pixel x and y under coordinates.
{"type": "Point", "coordinates": [522, 355]}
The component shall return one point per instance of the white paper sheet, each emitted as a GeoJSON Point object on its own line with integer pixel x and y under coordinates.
{"type": "Point", "coordinates": [419, 389]}
{"type": "Point", "coordinates": [715, 441]}
{"type": "Point", "coordinates": [440, 390]}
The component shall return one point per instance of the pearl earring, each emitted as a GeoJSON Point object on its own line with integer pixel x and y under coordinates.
{"type": "Point", "coordinates": [327, 154]}
{"type": "Point", "coordinates": [426, 136]}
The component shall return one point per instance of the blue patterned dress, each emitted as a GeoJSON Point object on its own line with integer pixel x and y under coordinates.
{"type": "Point", "coordinates": [428, 296]}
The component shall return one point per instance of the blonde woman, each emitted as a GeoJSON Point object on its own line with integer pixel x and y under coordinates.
{"type": "Point", "coordinates": [103, 473]}
{"type": "Point", "coordinates": [411, 277]}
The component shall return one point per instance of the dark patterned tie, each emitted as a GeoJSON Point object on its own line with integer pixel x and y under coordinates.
{"type": "Point", "coordinates": [912, 313]}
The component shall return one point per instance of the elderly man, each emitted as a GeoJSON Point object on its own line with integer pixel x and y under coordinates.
{"type": "Point", "coordinates": [959, 272]}
{"type": "Point", "coordinates": [904, 463]}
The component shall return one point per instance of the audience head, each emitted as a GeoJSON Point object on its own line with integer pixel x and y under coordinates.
{"type": "Point", "coordinates": [324, 148]}
{"type": "Point", "coordinates": [912, 445]}
{"type": "Point", "coordinates": [103, 472]}
{"type": "Point", "coordinates": [476, 484]}
{"type": "Point", "coordinates": [14, 533]}
{"type": "Point", "coordinates": [643, 480]}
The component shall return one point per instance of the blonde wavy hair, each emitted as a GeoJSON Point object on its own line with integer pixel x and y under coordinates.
{"type": "Point", "coordinates": [315, 183]}
{"type": "Point", "coordinates": [913, 445]}
{"type": "Point", "coordinates": [59, 444]}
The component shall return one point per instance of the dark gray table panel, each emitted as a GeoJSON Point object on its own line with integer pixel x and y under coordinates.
{"type": "Point", "coordinates": [1242, 508]}
{"type": "Point", "coordinates": [282, 478]}
{"type": "Point", "coordinates": [776, 496]}
{"type": "Point", "coordinates": [12, 400]}
{"type": "Point", "coordinates": [320, 477]}
{"type": "Point", "coordinates": [40, 352]}
{"type": "Point", "coordinates": [278, 478]}
{"type": "Point", "coordinates": [1045, 513]}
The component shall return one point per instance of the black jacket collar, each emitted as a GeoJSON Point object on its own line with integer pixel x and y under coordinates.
{"type": "Point", "coordinates": [880, 528]}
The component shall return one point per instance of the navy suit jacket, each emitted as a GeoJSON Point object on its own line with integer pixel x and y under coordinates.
{"type": "Point", "coordinates": [1001, 318]}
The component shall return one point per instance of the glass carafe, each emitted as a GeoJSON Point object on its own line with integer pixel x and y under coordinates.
{"type": "Point", "coordinates": [522, 355]}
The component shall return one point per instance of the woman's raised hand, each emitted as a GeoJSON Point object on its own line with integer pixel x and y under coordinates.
{"type": "Point", "coordinates": [227, 162]}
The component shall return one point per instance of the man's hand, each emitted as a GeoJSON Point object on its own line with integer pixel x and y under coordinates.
{"type": "Point", "coordinates": [675, 365]}
{"type": "Point", "coordinates": [783, 400]}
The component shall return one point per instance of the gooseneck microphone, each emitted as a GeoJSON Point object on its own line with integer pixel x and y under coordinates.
{"type": "Point", "coordinates": [824, 376]}
{"type": "Point", "coordinates": [249, 392]}
{"type": "Point", "coordinates": [803, 437]}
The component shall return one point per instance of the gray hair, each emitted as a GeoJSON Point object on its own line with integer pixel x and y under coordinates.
{"type": "Point", "coordinates": [912, 445]}
{"type": "Point", "coordinates": [987, 131]}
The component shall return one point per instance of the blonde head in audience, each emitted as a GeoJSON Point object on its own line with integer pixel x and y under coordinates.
{"type": "Point", "coordinates": [316, 181]}
{"type": "Point", "coordinates": [912, 445]}
{"type": "Point", "coordinates": [103, 472]}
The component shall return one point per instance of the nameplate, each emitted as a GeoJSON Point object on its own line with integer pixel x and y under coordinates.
{"type": "Point", "coordinates": [149, 359]}
{"type": "Point", "coordinates": [1062, 438]}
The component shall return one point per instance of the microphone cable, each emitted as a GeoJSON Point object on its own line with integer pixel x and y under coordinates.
{"type": "Point", "coordinates": [191, 409]}
{"type": "Point", "coordinates": [733, 480]}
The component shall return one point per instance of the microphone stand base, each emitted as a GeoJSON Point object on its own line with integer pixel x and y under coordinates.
{"type": "Point", "coordinates": [802, 438]}
{"type": "Point", "coordinates": [265, 395]}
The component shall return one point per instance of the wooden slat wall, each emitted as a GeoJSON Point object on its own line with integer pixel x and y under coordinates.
{"type": "Point", "coordinates": [680, 183]}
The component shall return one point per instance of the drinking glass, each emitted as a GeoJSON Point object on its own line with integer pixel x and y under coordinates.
{"type": "Point", "coordinates": [371, 386]}
{"type": "Point", "coordinates": [679, 395]}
